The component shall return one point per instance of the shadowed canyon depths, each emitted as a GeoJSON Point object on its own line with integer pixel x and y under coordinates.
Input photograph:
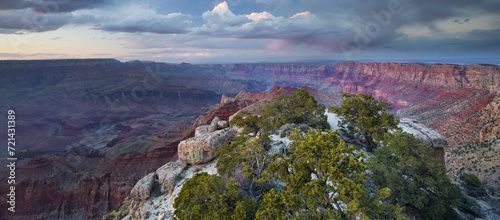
{"type": "Point", "coordinates": [88, 130]}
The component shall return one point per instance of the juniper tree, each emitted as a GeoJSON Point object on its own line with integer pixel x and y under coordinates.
{"type": "Point", "coordinates": [249, 157]}
{"type": "Point", "coordinates": [300, 108]}
{"type": "Point", "coordinates": [251, 124]}
{"type": "Point", "coordinates": [324, 179]}
{"type": "Point", "coordinates": [209, 197]}
{"type": "Point", "coordinates": [407, 167]}
{"type": "Point", "coordinates": [364, 115]}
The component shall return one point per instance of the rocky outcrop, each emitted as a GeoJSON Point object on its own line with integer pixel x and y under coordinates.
{"type": "Point", "coordinates": [165, 178]}
{"type": "Point", "coordinates": [229, 106]}
{"type": "Point", "coordinates": [216, 124]}
{"type": "Point", "coordinates": [204, 129]}
{"type": "Point", "coordinates": [204, 147]}
{"type": "Point", "coordinates": [169, 174]}
{"type": "Point", "coordinates": [428, 136]}
{"type": "Point", "coordinates": [143, 187]}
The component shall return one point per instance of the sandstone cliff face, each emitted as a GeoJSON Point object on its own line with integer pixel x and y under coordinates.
{"type": "Point", "coordinates": [282, 74]}
{"type": "Point", "coordinates": [445, 75]}
{"type": "Point", "coordinates": [79, 184]}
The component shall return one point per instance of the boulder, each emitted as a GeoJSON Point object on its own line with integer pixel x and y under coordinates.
{"type": "Point", "coordinates": [204, 148]}
{"type": "Point", "coordinates": [143, 187]}
{"type": "Point", "coordinates": [430, 137]}
{"type": "Point", "coordinates": [169, 174]}
{"type": "Point", "coordinates": [215, 125]}
{"type": "Point", "coordinates": [204, 129]}
{"type": "Point", "coordinates": [222, 124]}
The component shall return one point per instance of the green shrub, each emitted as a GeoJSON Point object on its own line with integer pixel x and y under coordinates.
{"type": "Point", "coordinates": [287, 129]}
{"type": "Point", "coordinates": [304, 128]}
{"type": "Point", "coordinates": [470, 179]}
{"type": "Point", "coordinates": [473, 185]}
{"type": "Point", "coordinates": [323, 179]}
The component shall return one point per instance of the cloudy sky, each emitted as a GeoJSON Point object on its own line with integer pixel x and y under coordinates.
{"type": "Point", "coordinates": [209, 31]}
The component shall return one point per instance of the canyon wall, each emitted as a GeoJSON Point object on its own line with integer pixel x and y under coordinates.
{"type": "Point", "coordinates": [138, 112]}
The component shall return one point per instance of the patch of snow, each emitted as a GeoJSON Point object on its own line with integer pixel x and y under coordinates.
{"type": "Point", "coordinates": [278, 143]}
{"type": "Point", "coordinates": [333, 120]}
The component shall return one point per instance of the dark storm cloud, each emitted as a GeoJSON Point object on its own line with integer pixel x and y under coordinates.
{"type": "Point", "coordinates": [475, 42]}
{"type": "Point", "coordinates": [19, 16]}
{"type": "Point", "coordinates": [12, 21]}
{"type": "Point", "coordinates": [364, 32]}
{"type": "Point", "coordinates": [149, 21]}
{"type": "Point", "coordinates": [461, 22]}
{"type": "Point", "coordinates": [52, 6]}
{"type": "Point", "coordinates": [421, 11]}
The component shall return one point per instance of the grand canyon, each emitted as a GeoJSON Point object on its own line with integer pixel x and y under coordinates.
{"type": "Point", "coordinates": [89, 129]}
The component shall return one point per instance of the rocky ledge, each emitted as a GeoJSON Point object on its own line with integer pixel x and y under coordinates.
{"type": "Point", "coordinates": [428, 136]}
{"type": "Point", "coordinates": [165, 178]}
{"type": "Point", "coordinates": [204, 147]}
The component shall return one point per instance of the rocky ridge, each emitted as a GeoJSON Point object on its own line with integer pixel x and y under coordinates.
{"type": "Point", "coordinates": [160, 205]}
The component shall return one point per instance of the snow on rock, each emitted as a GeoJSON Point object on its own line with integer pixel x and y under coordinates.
{"type": "Point", "coordinates": [333, 120]}
{"type": "Point", "coordinates": [278, 143]}
{"type": "Point", "coordinates": [430, 137]}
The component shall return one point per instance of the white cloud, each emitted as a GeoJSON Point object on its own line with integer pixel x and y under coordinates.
{"type": "Point", "coordinates": [221, 22]}
{"type": "Point", "coordinates": [221, 17]}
